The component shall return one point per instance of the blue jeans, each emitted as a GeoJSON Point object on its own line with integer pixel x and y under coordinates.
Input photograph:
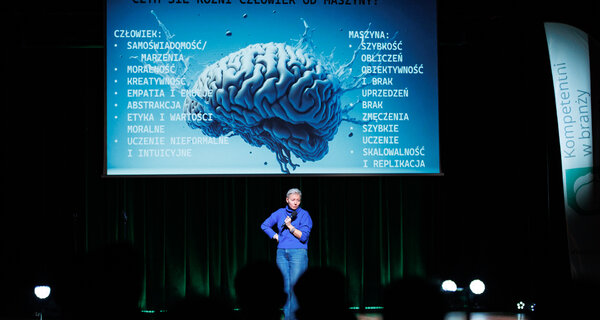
{"type": "Point", "coordinates": [292, 263]}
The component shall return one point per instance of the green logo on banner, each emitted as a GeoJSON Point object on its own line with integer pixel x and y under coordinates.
{"type": "Point", "coordinates": [583, 190]}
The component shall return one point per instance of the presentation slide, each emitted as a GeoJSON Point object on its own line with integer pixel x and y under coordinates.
{"type": "Point", "coordinates": [271, 87]}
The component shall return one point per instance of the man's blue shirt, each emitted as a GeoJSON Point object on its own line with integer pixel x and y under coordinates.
{"type": "Point", "coordinates": [303, 222]}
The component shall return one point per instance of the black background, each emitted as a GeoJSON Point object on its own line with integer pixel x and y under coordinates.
{"type": "Point", "coordinates": [501, 192]}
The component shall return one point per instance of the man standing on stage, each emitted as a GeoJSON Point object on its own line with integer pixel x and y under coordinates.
{"type": "Point", "coordinates": [294, 225]}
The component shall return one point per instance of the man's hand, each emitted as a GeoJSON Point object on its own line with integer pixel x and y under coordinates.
{"type": "Point", "coordinates": [288, 222]}
{"type": "Point", "coordinates": [276, 237]}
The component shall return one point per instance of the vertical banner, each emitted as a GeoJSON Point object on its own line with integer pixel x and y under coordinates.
{"type": "Point", "coordinates": [570, 63]}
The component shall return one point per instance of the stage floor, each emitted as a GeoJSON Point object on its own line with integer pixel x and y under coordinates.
{"type": "Point", "coordinates": [462, 316]}
{"type": "Point", "coordinates": [376, 316]}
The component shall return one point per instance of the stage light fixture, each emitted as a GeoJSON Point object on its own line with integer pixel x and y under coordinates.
{"type": "Point", "coordinates": [42, 292]}
{"type": "Point", "coordinates": [449, 286]}
{"type": "Point", "coordinates": [477, 286]}
{"type": "Point", "coordinates": [526, 306]}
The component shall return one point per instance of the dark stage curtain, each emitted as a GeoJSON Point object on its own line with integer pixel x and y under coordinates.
{"type": "Point", "coordinates": [193, 234]}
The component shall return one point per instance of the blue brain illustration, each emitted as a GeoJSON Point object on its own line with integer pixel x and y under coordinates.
{"type": "Point", "coordinates": [270, 94]}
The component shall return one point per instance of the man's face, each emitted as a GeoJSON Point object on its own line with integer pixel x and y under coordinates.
{"type": "Point", "coordinates": [293, 201]}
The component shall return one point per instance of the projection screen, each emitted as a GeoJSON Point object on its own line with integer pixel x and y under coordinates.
{"type": "Point", "coordinates": [271, 87]}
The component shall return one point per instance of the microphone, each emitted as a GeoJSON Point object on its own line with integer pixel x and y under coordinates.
{"type": "Point", "coordinates": [293, 216]}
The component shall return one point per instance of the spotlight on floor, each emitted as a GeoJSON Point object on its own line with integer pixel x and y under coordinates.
{"type": "Point", "coordinates": [42, 292]}
{"type": "Point", "coordinates": [477, 286]}
{"type": "Point", "coordinates": [449, 286]}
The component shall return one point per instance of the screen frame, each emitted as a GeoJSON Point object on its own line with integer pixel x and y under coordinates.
{"type": "Point", "coordinates": [277, 174]}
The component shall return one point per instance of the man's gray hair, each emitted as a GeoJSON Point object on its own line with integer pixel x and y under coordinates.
{"type": "Point", "coordinates": [292, 191]}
